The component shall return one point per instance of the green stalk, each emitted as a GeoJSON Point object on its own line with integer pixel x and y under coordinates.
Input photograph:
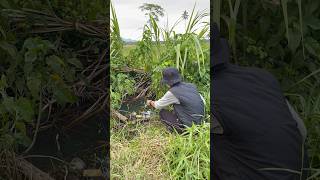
{"type": "Point", "coordinates": [301, 28]}
{"type": "Point", "coordinates": [216, 11]}
{"type": "Point", "coordinates": [285, 16]}
{"type": "Point", "coordinates": [178, 55]}
{"type": "Point", "coordinates": [185, 59]}
{"type": "Point", "coordinates": [244, 21]}
{"type": "Point", "coordinates": [232, 25]}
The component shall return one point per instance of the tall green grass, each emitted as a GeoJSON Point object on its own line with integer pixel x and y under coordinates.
{"type": "Point", "coordinates": [188, 155]}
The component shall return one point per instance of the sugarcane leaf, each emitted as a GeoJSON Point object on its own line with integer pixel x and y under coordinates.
{"type": "Point", "coordinates": [295, 39]}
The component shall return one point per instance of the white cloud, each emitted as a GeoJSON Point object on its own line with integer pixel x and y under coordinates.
{"type": "Point", "coordinates": [131, 19]}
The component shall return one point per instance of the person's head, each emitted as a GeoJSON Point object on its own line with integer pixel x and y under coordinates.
{"type": "Point", "coordinates": [170, 76]}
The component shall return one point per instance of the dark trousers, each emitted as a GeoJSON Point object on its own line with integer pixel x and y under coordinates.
{"type": "Point", "coordinates": [171, 120]}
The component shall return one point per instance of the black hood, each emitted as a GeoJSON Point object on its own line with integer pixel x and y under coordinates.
{"type": "Point", "coordinates": [220, 52]}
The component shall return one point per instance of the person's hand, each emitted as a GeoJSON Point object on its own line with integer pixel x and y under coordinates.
{"type": "Point", "coordinates": [149, 102]}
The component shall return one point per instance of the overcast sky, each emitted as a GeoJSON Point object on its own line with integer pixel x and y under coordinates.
{"type": "Point", "coordinates": [131, 19]}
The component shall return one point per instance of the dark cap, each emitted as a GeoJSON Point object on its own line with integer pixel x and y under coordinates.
{"type": "Point", "coordinates": [170, 76]}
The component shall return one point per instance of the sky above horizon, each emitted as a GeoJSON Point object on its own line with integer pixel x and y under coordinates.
{"type": "Point", "coordinates": [131, 19]}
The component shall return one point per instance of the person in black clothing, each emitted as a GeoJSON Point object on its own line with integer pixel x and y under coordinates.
{"type": "Point", "coordinates": [256, 134]}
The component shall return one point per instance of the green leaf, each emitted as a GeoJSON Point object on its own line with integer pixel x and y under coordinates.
{"type": "Point", "coordinates": [34, 84]}
{"type": "Point", "coordinates": [313, 46]}
{"type": "Point", "coordinates": [55, 63]}
{"type": "Point", "coordinates": [21, 127]}
{"type": "Point", "coordinates": [3, 82]}
{"type": "Point", "coordinates": [37, 45]}
{"type": "Point", "coordinates": [22, 139]}
{"type": "Point", "coordinates": [11, 74]}
{"type": "Point", "coordinates": [63, 95]}
{"type": "Point", "coordinates": [311, 7]}
{"type": "Point", "coordinates": [313, 22]}
{"type": "Point", "coordinates": [9, 104]}
{"type": "Point", "coordinates": [70, 75]}
{"type": "Point", "coordinates": [10, 49]}
{"type": "Point", "coordinates": [3, 33]}
{"type": "Point", "coordinates": [25, 109]}
{"type": "Point", "coordinates": [29, 43]}
{"type": "Point", "coordinates": [28, 67]}
{"type": "Point", "coordinates": [4, 4]}
{"type": "Point", "coordinates": [20, 84]}
{"type": "Point", "coordinates": [30, 56]}
{"type": "Point", "coordinates": [6, 140]}
{"type": "Point", "coordinates": [76, 62]}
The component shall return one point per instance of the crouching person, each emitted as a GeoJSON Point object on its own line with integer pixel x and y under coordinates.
{"type": "Point", "coordinates": [187, 103]}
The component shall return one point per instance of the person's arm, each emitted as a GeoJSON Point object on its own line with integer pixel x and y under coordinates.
{"type": "Point", "coordinates": [300, 124]}
{"type": "Point", "coordinates": [165, 101]}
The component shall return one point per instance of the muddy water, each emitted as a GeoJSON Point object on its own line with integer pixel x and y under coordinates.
{"type": "Point", "coordinates": [85, 141]}
{"type": "Point", "coordinates": [134, 106]}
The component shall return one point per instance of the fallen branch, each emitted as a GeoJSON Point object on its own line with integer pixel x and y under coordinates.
{"type": "Point", "coordinates": [128, 69]}
{"type": "Point", "coordinates": [118, 115]}
{"type": "Point", "coordinates": [31, 171]}
{"type": "Point", "coordinates": [92, 173]}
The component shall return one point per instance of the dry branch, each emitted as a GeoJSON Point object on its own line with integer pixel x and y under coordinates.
{"type": "Point", "coordinates": [43, 22]}
{"type": "Point", "coordinates": [118, 115]}
{"type": "Point", "coordinates": [31, 171]}
{"type": "Point", "coordinates": [13, 167]}
{"type": "Point", "coordinates": [128, 69]}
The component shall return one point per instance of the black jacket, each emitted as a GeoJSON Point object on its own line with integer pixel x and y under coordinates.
{"type": "Point", "coordinates": [260, 139]}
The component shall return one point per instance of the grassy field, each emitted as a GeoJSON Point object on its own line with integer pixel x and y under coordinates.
{"type": "Point", "coordinates": [149, 151]}
{"type": "Point", "coordinates": [138, 151]}
{"type": "Point", "coordinates": [127, 48]}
